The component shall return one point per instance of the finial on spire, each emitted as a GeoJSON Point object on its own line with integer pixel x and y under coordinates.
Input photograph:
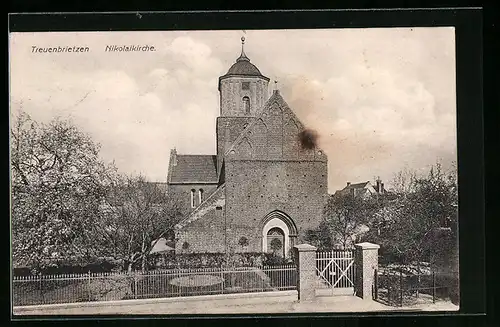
{"type": "Point", "coordinates": [243, 55]}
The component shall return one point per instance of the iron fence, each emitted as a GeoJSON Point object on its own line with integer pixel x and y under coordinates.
{"type": "Point", "coordinates": [70, 288]}
{"type": "Point", "coordinates": [402, 288]}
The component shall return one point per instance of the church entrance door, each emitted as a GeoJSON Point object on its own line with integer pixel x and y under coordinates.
{"type": "Point", "coordinates": [276, 241]}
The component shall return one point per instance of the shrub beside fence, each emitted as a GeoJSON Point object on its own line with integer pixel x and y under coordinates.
{"type": "Point", "coordinates": [70, 288]}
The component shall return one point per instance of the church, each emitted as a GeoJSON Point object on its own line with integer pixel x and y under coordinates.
{"type": "Point", "coordinates": [264, 188]}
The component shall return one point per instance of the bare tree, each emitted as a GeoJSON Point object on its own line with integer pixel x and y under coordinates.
{"type": "Point", "coordinates": [138, 214]}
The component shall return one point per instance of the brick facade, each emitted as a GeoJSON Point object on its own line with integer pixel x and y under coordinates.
{"type": "Point", "coordinates": [232, 94]}
{"type": "Point", "coordinates": [182, 194]}
{"type": "Point", "coordinates": [266, 175]}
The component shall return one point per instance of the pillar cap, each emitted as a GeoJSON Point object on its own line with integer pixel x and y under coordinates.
{"type": "Point", "coordinates": [367, 246]}
{"type": "Point", "coordinates": [305, 247]}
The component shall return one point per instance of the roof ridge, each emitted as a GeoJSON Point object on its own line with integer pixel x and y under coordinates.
{"type": "Point", "coordinates": [186, 220]}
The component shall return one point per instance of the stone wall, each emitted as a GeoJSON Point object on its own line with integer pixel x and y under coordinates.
{"type": "Point", "coordinates": [256, 188]}
{"type": "Point", "coordinates": [203, 235]}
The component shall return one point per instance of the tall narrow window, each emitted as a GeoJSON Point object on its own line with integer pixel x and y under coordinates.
{"type": "Point", "coordinates": [246, 104]}
{"type": "Point", "coordinates": [192, 198]}
{"type": "Point", "coordinates": [200, 195]}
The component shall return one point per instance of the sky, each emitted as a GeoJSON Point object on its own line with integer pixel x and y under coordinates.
{"type": "Point", "coordinates": [382, 99]}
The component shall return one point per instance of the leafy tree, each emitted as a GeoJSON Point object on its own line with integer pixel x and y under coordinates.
{"type": "Point", "coordinates": [346, 216]}
{"type": "Point", "coordinates": [57, 182]}
{"type": "Point", "coordinates": [424, 205]}
{"type": "Point", "coordinates": [321, 237]}
{"type": "Point", "coordinates": [137, 214]}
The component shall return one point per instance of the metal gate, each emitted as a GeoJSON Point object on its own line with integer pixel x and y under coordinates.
{"type": "Point", "coordinates": [335, 270]}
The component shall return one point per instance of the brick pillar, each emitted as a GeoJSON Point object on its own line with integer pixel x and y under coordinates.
{"type": "Point", "coordinates": [305, 256]}
{"type": "Point", "coordinates": [366, 260]}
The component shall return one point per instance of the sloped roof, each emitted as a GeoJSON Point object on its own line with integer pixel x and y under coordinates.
{"type": "Point", "coordinates": [218, 198]}
{"type": "Point", "coordinates": [244, 67]}
{"type": "Point", "coordinates": [194, 169]}
{"type": "Point", "coordinates": [357, 185]}
{"type": "Point", "coordinates": [275, 99]}
{"type": "Point", "coordinates": [161, 246]}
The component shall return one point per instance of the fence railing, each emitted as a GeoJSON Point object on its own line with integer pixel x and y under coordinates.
{"type": "Point", "coordinates": [70, 288]}
{"type": "Point", "coordinates": [398, 288]}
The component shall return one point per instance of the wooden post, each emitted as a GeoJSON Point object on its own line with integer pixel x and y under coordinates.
{"type": "Point", "coordinates": [418, 284]}
{"type": "Point", "coordinates": [433, 287]}
{"type": "Point", "coordinates": [40, 287]}
{"type": "Point", "coordinates": [135, 285]}
{"type": "Point", "coordinates": [88, 287]}
{"type": "Point", "coordinates": [418, 277]}
{"type": "Point", "coordinates": [223, 280]}
{"type": "Point", "coordinates": [400, 288]}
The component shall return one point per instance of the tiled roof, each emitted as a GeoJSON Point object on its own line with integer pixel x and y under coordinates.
{"type": "Point", "coordinates": [357, 185]}
{"type": "Point", "coordinates": [245, 68]}
{"type": "Point", "coordinates": [194, 168]}
{"type": "Point", "coordinates": [360, 187]}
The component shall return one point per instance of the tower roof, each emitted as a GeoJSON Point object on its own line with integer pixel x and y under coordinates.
{"type": "Point", "coordinates": [243, 66]}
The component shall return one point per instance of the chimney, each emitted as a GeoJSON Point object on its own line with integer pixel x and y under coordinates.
{"type": "Point", "coordinates": [379, 185]}
{"type": "Point", "coordinates": [348, 183]}
{"type": "Point", "coordinates": [173, 157]}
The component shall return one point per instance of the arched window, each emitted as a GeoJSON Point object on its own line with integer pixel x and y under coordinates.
{"type": "Point", "coordinates": [200, 195]}
{"type": "Point", "coordinates": [276, 241]}
{"type": "Point", "coordinates": [246, 105]}
{"type": "Point", "coordinates": [192, 198]}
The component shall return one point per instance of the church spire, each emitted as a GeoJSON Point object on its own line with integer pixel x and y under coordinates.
{"type": "Point", "coordinates": [243, 56]}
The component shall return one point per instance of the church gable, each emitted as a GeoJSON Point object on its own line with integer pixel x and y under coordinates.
{"type": "Point", "coordinates": [274, 135]}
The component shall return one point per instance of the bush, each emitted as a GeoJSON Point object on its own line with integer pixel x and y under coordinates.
{"type": "Point", "coordinates": [214, 260]}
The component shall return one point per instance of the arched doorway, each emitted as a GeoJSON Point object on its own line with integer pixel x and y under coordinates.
{"type": "Point", "coordinates": [278, 227]}
{"type": "Point", "coordinates": [276, 241]}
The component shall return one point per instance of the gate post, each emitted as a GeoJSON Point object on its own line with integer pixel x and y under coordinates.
{"type": "Point", "coordinates": [305, 256]}
{"type": "Point", "coordinates": [366, 261]}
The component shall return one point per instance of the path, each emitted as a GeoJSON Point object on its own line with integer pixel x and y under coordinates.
{"type": "Point", "coordinates": [251, 304]}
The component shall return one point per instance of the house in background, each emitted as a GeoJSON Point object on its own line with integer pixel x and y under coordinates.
{"type": "Point", "coordinates": [363, 190]}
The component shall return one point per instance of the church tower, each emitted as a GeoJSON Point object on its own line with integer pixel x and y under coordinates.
{"type": "Point", "coordinates": [243, 92]}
